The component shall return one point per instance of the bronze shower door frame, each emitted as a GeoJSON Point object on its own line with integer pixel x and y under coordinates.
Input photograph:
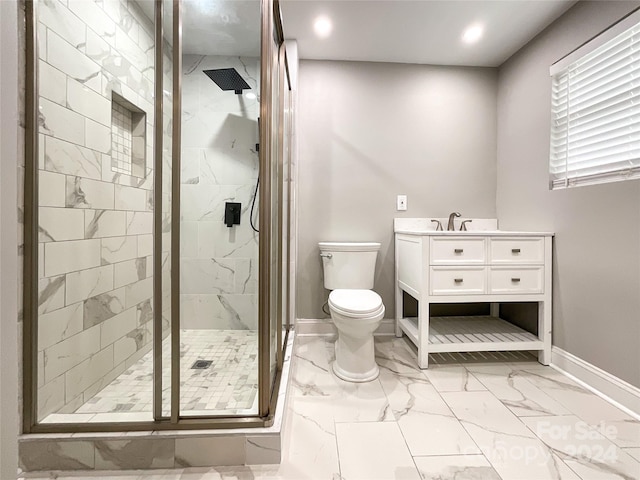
{"type": "Point", "coordinates": [271, 30]}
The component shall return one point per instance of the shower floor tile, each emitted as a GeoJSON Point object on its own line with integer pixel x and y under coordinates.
{"type": "Point", "coordinates": [228, 386]}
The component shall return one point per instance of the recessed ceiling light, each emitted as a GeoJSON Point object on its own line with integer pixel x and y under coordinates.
{"type": "Point", "coordinates": [323, 26]}
{"type": "Point", "coordinates": [250, 95]}
{"type": "Point", "coordinates": [472, 34]}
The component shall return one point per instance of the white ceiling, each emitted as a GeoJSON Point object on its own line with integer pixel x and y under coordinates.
{"type": "Point", "coordinates": [402, 31]}
{"type": "Point", "coordinates": [418, 31]}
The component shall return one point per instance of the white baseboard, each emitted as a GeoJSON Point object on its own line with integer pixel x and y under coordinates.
{"type": "Point", "coordinates": [324, 327]}
{"type": "Point", "coordinates": [620, 393]}
{"type": "Point", "coordinates": [314, 327]}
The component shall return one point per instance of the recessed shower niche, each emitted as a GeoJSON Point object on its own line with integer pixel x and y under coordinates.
{"type": "Point", "coordinates": [128, 137]}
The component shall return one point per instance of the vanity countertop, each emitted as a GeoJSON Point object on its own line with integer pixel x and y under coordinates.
{"type": "Point", "coordinates": [473, 233]}
{"type": "Point", "coordinates": [476, 227]}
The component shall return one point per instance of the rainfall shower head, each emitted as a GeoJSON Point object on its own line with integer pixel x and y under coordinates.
{"type": "Point", "coordinates": [228, 79]}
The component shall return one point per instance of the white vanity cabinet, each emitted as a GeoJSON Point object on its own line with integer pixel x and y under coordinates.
{"type": "Point", "coordinates": [475, 266]}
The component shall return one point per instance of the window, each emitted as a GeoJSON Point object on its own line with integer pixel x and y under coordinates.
{"type": "Point", "coordinates": [595, 102]}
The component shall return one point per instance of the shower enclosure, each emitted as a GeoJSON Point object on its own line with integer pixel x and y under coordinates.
{"type": "Point", "coordinates": [157, 214]}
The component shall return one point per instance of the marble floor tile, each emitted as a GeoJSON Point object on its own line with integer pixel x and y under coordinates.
{"type": "Point", "coordinates": [395, 374]}
{"type": "Point", "coordinates": [578, 400]}
{"type": "Point", "coordinates": [517, 393]}
{"type": "Point", "coordinates": [456, 467]}
{"type": "Point", "coordinates": [634, 452]}
{"type": "Point", "coordinates": [531, 422]}
{"type": "Point", "coordinates": [374, 450]}
{"type": "Point", "coordinates": [397, 364]}
{"type": "Point", "coordinates": [511, 448]}
{"type": "Point", "coordinates": [584, 449]}
{"type": "Point", "coordinates": [395, 354]}
{"type": "Point", "coordinates": [453, 379]}
{"type": "Point", "coordinates": [361, 402]}
{"type": "Point", "coordinates": [529, 363]}
{"type": "Point", "coordinates": [426, 422]}
{"type": "Point", "coordinates": [624, 433]}
{"type": "Point", "coordinates": [309, 448]}
{"type": "Point", "coordinates": [312, 375]}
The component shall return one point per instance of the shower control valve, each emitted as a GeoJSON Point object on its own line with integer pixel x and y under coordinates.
{"type": "Point", "coordinates": [232, 213]}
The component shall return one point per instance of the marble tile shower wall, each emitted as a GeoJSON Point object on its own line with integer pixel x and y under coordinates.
{"type": "Point", "coordinates": [219, 164]}
{"type": "Point", "coordinates": [95, 224]}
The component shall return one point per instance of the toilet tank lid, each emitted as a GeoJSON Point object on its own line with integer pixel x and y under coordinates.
{"type": "Point", "coordinates": [349, 246]}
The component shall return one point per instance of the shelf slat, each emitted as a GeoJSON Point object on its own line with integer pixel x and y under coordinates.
{"type": "Point", "coordinates": [472, 334]}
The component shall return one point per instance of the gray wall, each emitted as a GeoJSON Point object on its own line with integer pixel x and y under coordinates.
{"type": "Point", "coordinates": [370, 131]}
{"type": "Point", "coordinates": [9, 138]}
{"type": "Point", "coordinates": [597, 244]}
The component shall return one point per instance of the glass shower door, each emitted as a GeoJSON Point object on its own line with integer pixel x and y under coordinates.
{"type": "Point", "coordinates": [90, 211]}
{"type": "Point", "coordinates": [218, 209]}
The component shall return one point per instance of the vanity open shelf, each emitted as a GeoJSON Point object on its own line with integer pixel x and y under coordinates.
{"type": "Point", "coordinates": [483, 265]}
{"type": "Point", "coordinates": [471, 334]}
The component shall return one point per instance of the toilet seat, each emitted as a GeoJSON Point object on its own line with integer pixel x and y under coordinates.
{"type": "Point", "coordinates": [355, 303]}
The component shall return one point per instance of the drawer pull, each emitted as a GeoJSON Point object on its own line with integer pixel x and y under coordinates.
{"type": "Point", "coordinates": [515, 279]}
{"type": "Point", "coordinates": [515, 250]}
{"type": "Point", "coordinates": [457, 280]}
{"type": "Point", "coordinates": [458, 250]}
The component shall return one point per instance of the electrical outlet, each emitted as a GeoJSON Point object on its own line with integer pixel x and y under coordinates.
{"type": "Point", "coordinates": [401, 202]}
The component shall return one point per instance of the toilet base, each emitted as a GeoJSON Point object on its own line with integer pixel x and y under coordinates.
{"type": "Point", "coordinates": [355, 358]}
{"type": "Point", "coordinates": [356, 377]}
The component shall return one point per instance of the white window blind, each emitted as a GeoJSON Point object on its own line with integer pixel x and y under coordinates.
{"type": "Point", "coordinates": [595, 128]}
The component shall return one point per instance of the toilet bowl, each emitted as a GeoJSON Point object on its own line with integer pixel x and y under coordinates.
{"type": "Point", "coordinates": [356, 315]}
{"type": "Point", "coordinates": [355, 309]}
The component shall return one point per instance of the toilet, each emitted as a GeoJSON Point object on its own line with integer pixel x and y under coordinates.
{"type": "Point", "coordinates": [356, 310]}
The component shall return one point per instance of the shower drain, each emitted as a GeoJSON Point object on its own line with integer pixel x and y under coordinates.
{"type": "Point", "coordinates": [201, 364]}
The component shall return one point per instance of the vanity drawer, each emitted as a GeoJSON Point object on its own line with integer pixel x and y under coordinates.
{"type": "Point", "coordinates": [458, 280]}
{"type": "Point", "coordinates": [516, 280]}
{"type": "Point", "coordinates": [520, 250]}
{"type": "Point", "coordinates": [457, 250]}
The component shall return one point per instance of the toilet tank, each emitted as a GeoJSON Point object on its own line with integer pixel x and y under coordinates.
{"type": "Point", "coordinates": [349, 264]}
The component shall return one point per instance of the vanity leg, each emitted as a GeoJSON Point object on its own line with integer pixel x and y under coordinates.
{"type": "Point", "coordinates": [544, 332]}
{"type": "Point", "coordinates": [545, 311]}
{"type": "Point", "coordinates": [399, 310]}
{"type": "Point", "coordinates": [423, 334]}
{"type": "Point", "coordinates": [494, 309]}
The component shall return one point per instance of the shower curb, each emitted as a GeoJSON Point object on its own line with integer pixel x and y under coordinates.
{"type": "Point", "coordinates": [160, 449]}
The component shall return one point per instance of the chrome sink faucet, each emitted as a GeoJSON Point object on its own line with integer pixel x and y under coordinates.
{"type": "Point", "coordinates": [450, 226]}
